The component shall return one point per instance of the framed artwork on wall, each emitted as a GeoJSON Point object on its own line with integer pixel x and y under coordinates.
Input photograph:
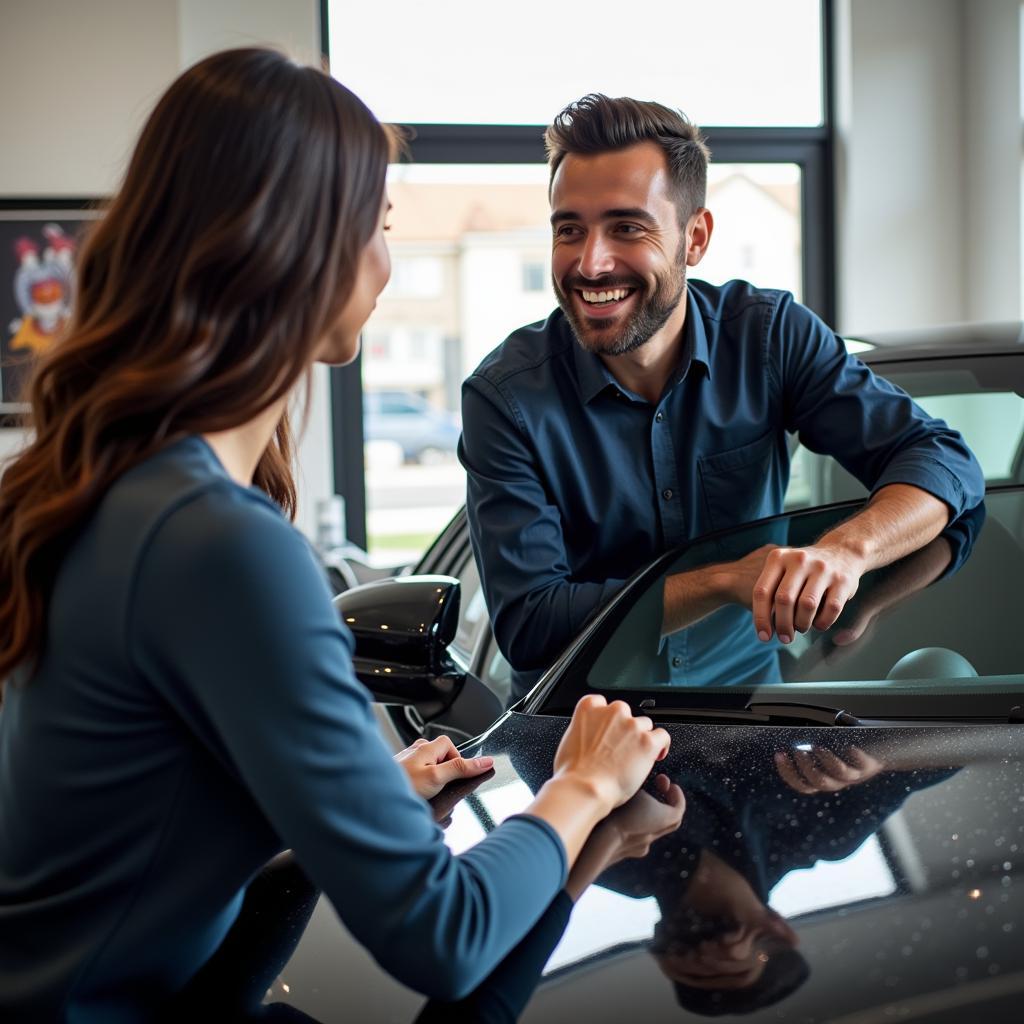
{"type": "Point", "coordinates": [39, 241]}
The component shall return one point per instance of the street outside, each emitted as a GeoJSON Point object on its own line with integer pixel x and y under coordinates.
{"type": "Point", "coordinates": [408, 506]}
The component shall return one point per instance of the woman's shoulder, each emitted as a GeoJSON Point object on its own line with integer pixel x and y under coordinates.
{"type": "Point", "coordinates": [180, 507]}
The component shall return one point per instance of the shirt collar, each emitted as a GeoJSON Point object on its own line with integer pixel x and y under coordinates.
{"type": "Point", "coordinates": [696, 347]}
{"type": "Point", "coordinates": [594, 376]}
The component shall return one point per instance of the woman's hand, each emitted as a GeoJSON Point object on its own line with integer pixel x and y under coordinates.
{"type": "Point", "coordinates": [603, 759]}
{"type": "Point", "coordinates": [432, 764]}
{"type": "Point", "coordinates": [608, 751]}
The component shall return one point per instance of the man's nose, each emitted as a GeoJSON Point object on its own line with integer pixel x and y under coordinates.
{"type": "Point", "coordinates": [597, 257]}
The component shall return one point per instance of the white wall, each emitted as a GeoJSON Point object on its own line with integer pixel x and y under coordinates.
{"type": "Point", "coordinates": [928, 100]}
{"type": "Point", "coordinates": [76, 82]}
{"type": "Point", "coordinates": [899, 160]}
{"type": "Point", "coordinates": [993, 159]}
{"type": "Point", "coordinates": [205, 26]}
{"type": "Point", "coordinates": [77, 79]}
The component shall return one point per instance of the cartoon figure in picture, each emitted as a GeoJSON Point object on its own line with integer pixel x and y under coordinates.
{"type": "Point", "coordinates": [42, 288]}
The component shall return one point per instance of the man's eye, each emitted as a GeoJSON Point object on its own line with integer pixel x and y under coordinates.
{"type": "Point", "coordinates": [629, 229]}
{"type": "Point", "coordinates": [566, 231]}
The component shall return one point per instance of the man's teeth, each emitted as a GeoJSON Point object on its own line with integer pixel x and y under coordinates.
{"type": "Point", "coordinates": [609, 296]}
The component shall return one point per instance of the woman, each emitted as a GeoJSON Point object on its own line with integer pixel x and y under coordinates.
{"type": "Point", "coordinates": [181, 704]}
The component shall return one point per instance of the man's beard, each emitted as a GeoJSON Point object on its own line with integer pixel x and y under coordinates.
{"type": "Point", "coordinates": [650, 316]}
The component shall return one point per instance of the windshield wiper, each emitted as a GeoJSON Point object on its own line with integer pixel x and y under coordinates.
{"type": "Point", "coordinates": [758, 713]}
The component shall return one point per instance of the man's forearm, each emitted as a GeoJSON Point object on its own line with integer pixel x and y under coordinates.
{"type": "Point", "coordinates": [690, 597]}
{"type": "Point", "coordinates": [899, 519]}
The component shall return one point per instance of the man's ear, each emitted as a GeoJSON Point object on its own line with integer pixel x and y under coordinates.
{"type": "Point", "coordinates": [698, 235]}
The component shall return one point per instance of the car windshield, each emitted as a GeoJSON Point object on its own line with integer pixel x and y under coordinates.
{"type": "Point", "coordinates": [936, 634]}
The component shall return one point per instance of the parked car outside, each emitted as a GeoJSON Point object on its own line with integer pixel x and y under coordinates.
{"type": "Point", "coordinates": [853, 845]}
{"type": "Point", "coordinates": [407, 421]}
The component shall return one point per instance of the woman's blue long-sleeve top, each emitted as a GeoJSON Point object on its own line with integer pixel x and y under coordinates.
{"type": "Point", "coordinates": [194, 712]}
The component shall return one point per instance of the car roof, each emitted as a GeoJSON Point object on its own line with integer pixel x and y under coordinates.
{"type": "Point", "coordinates": [965, 339]}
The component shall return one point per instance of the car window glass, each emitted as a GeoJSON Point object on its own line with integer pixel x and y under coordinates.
{"type": "Point", "coordinates": [975, 416]}
{"type": "Point", "coordinates": [472, 609]}
{"type": "Point", "coordinates": [473, 641]}
{"type": "Point", "coordinates": [985, 403]}
{"type": "Point", "coordinates": [496, 672]}
{"type": "Point", "coordinates": [923, 622]}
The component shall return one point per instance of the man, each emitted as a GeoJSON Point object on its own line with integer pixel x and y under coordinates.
{"type": "Point", "coordinates": [647, 410]}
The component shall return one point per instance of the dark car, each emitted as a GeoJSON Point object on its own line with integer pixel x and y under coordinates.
{"type": "Point", "coordinates": [853, 842]}
{"type": "Point", "coordinates": [424, 433]}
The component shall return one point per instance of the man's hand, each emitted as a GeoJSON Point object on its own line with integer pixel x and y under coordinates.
{"type": "Point", "coordinates": [797, 588]}
{"type": "Point", "coordinates": [802, 587]}
{"type": "Point", "coordinates": [787, 589]}
{"type": "Point", "coordinates": [893, 585]}
{"type": "Point", "coordinates": [819, 770]}
{"type": "Point", "coordinates": [432, 765]}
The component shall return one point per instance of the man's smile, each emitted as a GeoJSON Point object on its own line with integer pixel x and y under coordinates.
{"type": "Point", "coordinates": [604, 302]}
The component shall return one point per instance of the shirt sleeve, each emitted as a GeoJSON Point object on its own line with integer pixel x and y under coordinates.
{"type": "Point", "coordinates": [535, 605]}
{"type": "Point", "coordinates": [232, 623]}
{"type": "Point", "coordinates": [874, 429]}
{"type": "Point", "coordinates": [504, 994]}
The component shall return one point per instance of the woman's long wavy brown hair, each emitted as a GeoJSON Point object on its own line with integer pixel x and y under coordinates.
{"type": "Point", "coordinates": [201, 298]}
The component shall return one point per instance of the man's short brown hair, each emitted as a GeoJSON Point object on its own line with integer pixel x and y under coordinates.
{"type": "Point", "coordinates": [599, 124]}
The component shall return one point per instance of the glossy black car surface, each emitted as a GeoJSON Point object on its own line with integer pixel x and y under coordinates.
{"type": "Point", "coordinates": [905, 892]}
{"type": "Point", "coordinates": [853, 843]}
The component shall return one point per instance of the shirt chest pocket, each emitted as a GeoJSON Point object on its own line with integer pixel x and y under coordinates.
{"type": "Point", "coordinates": [738, 484]}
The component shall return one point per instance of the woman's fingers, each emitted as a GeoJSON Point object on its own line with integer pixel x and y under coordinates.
{"type": "Point", "coordinates": [662, 741]}
{"type": "Point", "coordinates": [459, 768]}
{"type": "Point", "coordinates": [607, 745]}
{"type": "Point", "coordinates": [432, 764]}
{"type": "Point", "coordinates": [442, 749]}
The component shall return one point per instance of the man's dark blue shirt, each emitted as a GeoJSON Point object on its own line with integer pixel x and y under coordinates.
{"type": "Point", "coordinates": [574, 483]}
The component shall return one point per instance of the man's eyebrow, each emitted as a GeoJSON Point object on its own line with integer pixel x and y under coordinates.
{"type": "Point", "coordinates": [627, 212]}
{"type": "Point", "coordinates": [560, 215]}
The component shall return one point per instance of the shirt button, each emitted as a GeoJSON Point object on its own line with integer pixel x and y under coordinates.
{"type": "Point", "coordinates": [659, 417]}
{"type": "Point", "coordinates": [677, 661]}
{"type": "Point", "coordinates": [667, 494]}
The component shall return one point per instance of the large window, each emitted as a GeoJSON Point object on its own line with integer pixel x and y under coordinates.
{"type": "Point", "coordinates": [731, 62]}
{"type": "Point", "coordinates": [470, 239]}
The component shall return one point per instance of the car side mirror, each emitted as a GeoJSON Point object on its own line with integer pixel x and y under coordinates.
{"type": "Point", "coordinates": [402, 628]}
